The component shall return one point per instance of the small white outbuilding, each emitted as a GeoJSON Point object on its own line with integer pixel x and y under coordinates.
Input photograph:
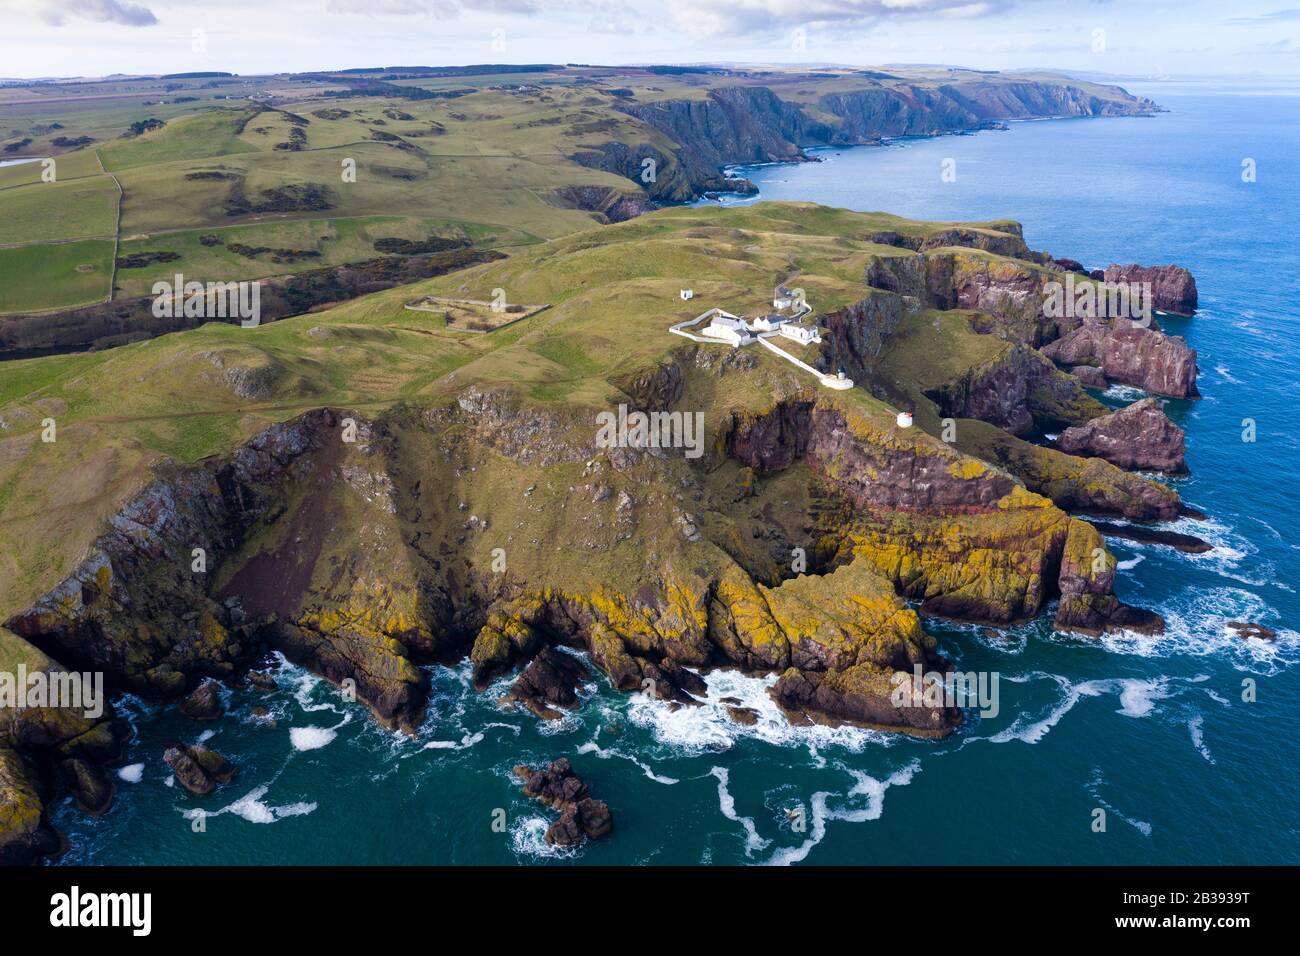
{"type": "Point", "coordinates": [688, 294]}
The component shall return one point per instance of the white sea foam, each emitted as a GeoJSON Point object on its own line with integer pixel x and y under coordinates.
{"type": "Point", "coordinates": [1011, 640]}
{"type": "Point", "coordinates": [1093, 789]}
{"type": "Point", "coordinates": [311, 738]}
{"type": "Point", "coordinates": [132, 773]}
{"type": "Point", "coordinates": [1198, 737]}
{"type": "Point", "coordinates": [1268, 527]}
{"type": "Point", "coordinates": [727, 804]}
{"type": "Point", "coordinates": [304, 686]}
{"type": "Point", "coordinates": [252, 808]}
{"type": "Point", "coordinates": [1196, 624]}
{"type": "Point", "coordinates": [467, 741]}
{"type": "Point", "coordinates": [565, 725]}
{"type": "Point", "coordinates": [867, 796]}
{"type": "Point", "coordinates": [1224, 371]}
{"type": "Point", "coordinates": [1124, 393]}
{"type": "Point", "coordinates": [709, 728]}
{"type": "Point", "coordinates": [1130, 564]}
{"type": "Point", "coordinates": [528, 838]}
{"type": "Point", "coordinates": [1137, 699]}
{"type": "Point", "coordinates": [591, 747]}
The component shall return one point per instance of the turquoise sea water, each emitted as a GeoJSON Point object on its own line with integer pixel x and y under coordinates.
{"type": "Point", "coordinates": [1153, 730]}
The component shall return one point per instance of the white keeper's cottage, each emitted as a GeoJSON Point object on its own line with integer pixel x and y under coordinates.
{"type": "Point", "coordinates": [766, 323]}
{"type": "Point", "coordinates": [803, 334]}
{"type": "Point", "coordinates": [728, 328]}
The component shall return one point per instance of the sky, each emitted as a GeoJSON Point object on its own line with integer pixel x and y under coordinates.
{"type": "Point", "coordinates": [1136, 38]}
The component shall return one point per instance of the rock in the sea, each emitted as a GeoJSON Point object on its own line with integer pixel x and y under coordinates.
{"type": "Point", "coordinates": [1246, 630]}
{"type": "Point", "coordinates": [1087, 604]}
{"type": "Point", "coordinates": [1071, 265]}
{"type": "Point", "coordinates": [861, 695]}
{"type": "Point", "coordinates": [1173, 289]}
{"type": "Point", "coordinates": [551, 680]}
{"type": "Point", "coordinates": [745, 716]}
{"type": "Point", "coordinates": [261, 680]}
{"type": "Point", "coordinates": [1140, 436]}
{"type": "Point", "coordinates": [581, 815]}
{"type": "Point", "coordinates": [88, 784]}
{"type": "Point", "coordinates": [198, 769]}
{"type": "Point", "coordinates": [204, 702]}
{"type": "Point", "coordinates": [1189, 544]}
{"type": "Point", "coordinates": [669, 680]}
{"type": "Point", "coordinates": [1143, 357]}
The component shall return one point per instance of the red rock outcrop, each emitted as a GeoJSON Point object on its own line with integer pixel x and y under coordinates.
{"type": "Point", "coordinates": [1143, 357]}
{"type": "Point", "coordinates": [1016, 391]}
{"type": "Point", "coordinates": [1173, 289]}
{"type": "Point", "coordinates": [1140, 436]}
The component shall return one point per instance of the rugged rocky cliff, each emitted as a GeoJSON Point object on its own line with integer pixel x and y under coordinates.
{"type": "Point", "coordinates": [1138, 436]}
{"type": "Point", "coordinates": [485, 520]}
{"type": "Point", "coordinates": [1019, 391]}
{"type": "Point", "coordinates": [735, 125]}
{"type": "Point", "coordinates": [997, 358]}
{"type": "Point", "coordinates": [1144, 357]}
{"type": "Point", "coordinates": [1173, 289]}
{"type": "Point", "coordinates": [362, 557]}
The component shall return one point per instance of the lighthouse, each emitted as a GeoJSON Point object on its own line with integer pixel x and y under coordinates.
{"type": "Point", "coordinates": [904, 419]}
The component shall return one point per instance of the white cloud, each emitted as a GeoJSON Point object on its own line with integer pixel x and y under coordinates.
{"type": "Point", "coordinates": [438, 9]}
{"type": "Point", "coordinates": [58, 12]}
{"type": "Point", "coordinates": [733, 17]}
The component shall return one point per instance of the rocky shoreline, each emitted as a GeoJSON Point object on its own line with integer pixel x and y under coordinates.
{"type": "Point", "coordinates": [362, 559]}
{"type": "Point", "coordinates": [748, 125]}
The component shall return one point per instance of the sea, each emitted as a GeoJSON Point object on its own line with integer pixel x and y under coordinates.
{"type": "Point", "coordinates": [1172, 749]}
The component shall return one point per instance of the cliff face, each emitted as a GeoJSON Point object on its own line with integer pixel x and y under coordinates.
{"type": "Point", "coordinates": [358, 559]}
{"type": "Point", "coordinates": [1139, 436]}
{"type": "Point", "coordinates": [736, 125]}
{"type": "Point", "coordinates": [136, 608]}
{"type": "Point", "coordinates": [610, 205]}
{"type": "Point", "coordinates": [1173, 289]}
{"type": "Point", "coordinates": [733, 125]}
{"type": "Point", "coordinates": [1030, 99]}
{"type": "Point", "coordinates": [947, 530]}
{"type": "Point", "coordinates": [1008, 298]}
{"type": "Point", "coordinates": [909, 110]}
{"type": "Point", "coordinates": [41, 746]}
{"type": "Point", "coordinates": [1143, 357]}
{"type": "Point", "coordinates": [856, 334]}
{"type": "Point", "coordinates": [1006, 292]}
{"type": "Point", "coordinates": [1018, 391]}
